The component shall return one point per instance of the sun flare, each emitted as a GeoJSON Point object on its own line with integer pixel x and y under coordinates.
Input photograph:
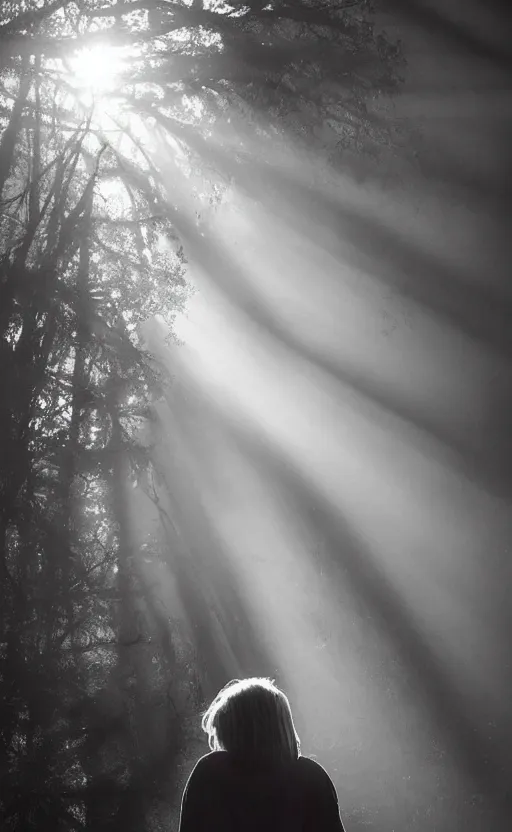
{"type": "Point", "coordinates": [98, 69]}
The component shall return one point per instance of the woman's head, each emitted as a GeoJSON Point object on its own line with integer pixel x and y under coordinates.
{"type": "Point", "coordinates": [251, 718]}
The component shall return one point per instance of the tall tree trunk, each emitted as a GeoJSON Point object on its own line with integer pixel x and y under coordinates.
{"type": "Point", "coordinates": [34, 209]}
{"type": "Point", "coordinates": [11, 132]}
{"type": "Point", "coordinates": [131, 670]}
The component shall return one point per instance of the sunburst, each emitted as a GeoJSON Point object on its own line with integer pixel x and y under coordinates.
{"type": "Point", "coordinates": [97, 70]}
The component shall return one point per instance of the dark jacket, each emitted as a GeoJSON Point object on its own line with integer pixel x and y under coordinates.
{"type": "Point", "coordinates": [227, 795]}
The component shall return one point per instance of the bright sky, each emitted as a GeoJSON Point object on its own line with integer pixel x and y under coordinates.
{"type": "Point", "coordinates": [98, 68]}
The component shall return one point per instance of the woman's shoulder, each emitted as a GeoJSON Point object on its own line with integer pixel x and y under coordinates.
{"type": "Point", "coordinates": [212, 760]}
{"type": "Point", "coordinates": [217, 761]}
{"type": "Point", "coordinates": [310, 764]}
{"type": "Point", "coordinates": [313, 771]}
{"type": "Point", "coordinates": [219, 758]}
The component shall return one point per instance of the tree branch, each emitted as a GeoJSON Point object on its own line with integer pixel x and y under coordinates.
{"type": "Point", "coordinates": [30, 18]}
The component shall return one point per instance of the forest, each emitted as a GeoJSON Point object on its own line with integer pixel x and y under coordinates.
{"type": "Point", "coordinates": [128, 131]}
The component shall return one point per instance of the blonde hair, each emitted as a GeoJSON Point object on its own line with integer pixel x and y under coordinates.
{"type": "Point", "coordinates": [252, 718]}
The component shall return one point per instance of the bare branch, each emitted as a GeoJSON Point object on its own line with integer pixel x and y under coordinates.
{"type": "Point", "coordinates": [31, 18]}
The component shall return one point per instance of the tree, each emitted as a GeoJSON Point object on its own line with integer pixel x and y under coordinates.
{"type": "Point", "coordinates": [65, 342]}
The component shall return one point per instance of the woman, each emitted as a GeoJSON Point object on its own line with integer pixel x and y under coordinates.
{"type": "Point", "coordinates": [255, 777]}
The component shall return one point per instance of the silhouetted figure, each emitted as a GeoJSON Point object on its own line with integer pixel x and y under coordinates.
{"type": "Point", "coordinates": [255, 778]}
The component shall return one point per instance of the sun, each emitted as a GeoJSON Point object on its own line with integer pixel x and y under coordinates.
{"type": "Point", "coordinates": [97, 70]}
{"type": "Point", "coordinates": [95, 79]}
